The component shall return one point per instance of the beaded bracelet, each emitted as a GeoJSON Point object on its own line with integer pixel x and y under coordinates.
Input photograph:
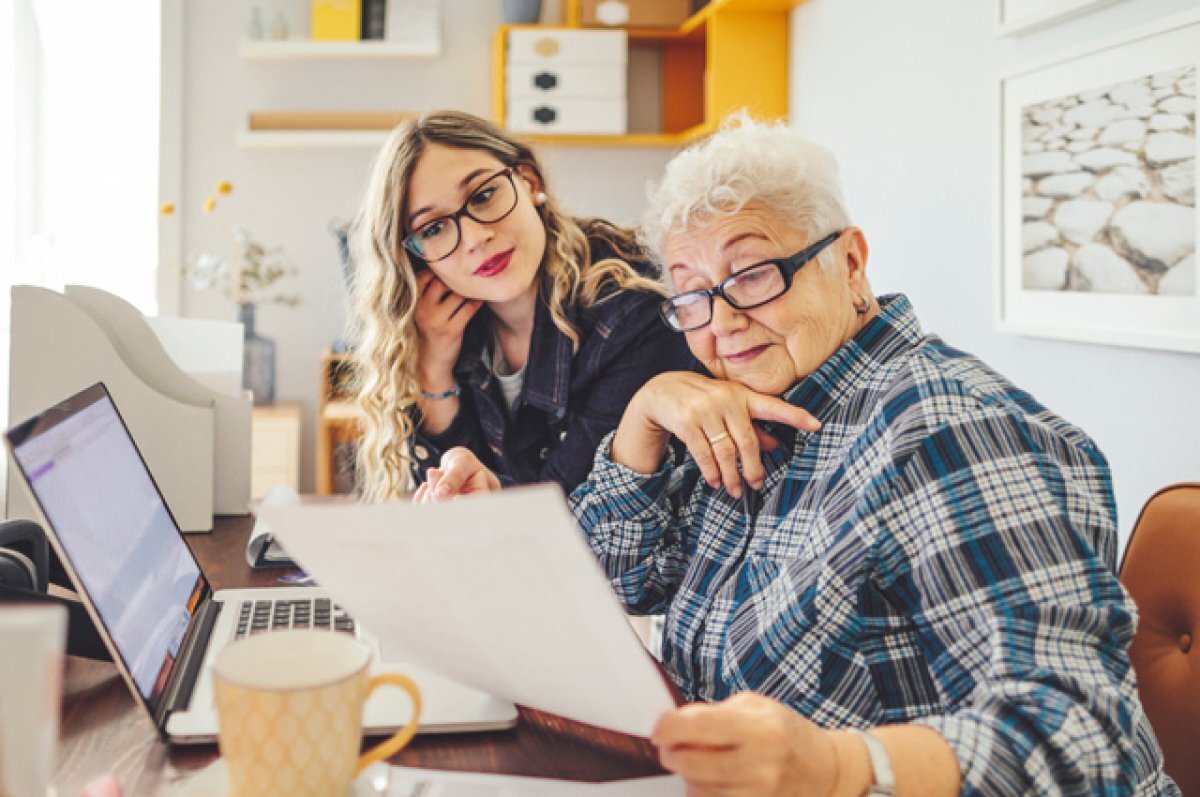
{"type": "Point", "coordinates": [453, 392]}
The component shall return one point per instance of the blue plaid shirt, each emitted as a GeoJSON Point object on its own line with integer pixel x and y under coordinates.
{"type": "Point", "coordinates": [942, 551]}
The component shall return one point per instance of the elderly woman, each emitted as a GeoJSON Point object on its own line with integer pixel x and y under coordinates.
{"type": "Point", "coordinates": [885, 569]}
{"type": "Point", "coordinates": [917, 593]}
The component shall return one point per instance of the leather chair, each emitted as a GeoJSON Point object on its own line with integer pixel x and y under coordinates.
{"type": "Point", "coordinates": [1161, 570]}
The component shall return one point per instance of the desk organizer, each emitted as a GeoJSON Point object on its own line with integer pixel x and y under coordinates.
{"type": "Point", "coordinates": [139, 343]}
{"type": "Point", "coordinates": [187, 433]}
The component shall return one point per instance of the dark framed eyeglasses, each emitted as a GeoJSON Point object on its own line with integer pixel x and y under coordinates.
{"type": "Point", "coordinates": [749, 288]}
{"type": "Point", "coordinates": [438, 238]}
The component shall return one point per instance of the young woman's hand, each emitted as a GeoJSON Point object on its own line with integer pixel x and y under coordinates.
{"type": "Point", "coordinates": [441, 317]}
{"type": "Point", "coordinates": [460, 473]}
{"type": "Point", "coordinates": [715, 420]}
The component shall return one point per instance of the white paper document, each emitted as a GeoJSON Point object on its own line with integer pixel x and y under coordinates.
{"type": "Point", "coordinates": [383, 780]}
{"type": "Point", "coordinates": [411, 782]}
{"type": "Point", "coordinates": [261, 549]}
{"type": "Point", "coordinates": [498, 591]}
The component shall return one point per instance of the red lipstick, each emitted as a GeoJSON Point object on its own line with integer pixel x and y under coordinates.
{"type": "Point", "coordinates": [494, 265]}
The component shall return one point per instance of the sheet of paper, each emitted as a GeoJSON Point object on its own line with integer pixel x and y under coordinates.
{"type": "Point", "coordinates": [499, 592]}
{"type": "Point", "coordinates": [412, 782]}
{"type": "Point", "coordinates": [261, 548]}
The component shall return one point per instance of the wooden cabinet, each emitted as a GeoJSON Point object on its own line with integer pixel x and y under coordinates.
{"type": "Point", "coordinates": [729, 55]}
{"type": "Point", "coordinates": [274, 447]}
{"type": "Point", "coordinates": [337, 425]}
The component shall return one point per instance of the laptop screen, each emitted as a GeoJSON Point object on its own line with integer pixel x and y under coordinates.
{"type": "Point", "coordinates": [115, 529]}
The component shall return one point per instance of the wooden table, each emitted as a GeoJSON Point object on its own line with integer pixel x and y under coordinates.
{"type": "Point", "coordinates": [103, 730]}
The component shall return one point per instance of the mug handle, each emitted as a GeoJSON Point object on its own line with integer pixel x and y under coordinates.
{"type": "Point", "coordinates": [395, 744]}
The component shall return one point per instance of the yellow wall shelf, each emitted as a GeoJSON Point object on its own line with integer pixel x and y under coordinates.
{"type": "Point", "coordinates": [729, 55]}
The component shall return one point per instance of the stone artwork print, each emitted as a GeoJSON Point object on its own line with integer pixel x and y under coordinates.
{"type": "Point", "coordinates": [1109, 188]}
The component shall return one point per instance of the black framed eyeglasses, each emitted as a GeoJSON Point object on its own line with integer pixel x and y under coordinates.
{"type": "Point", "coordinates": [438, 238]}
{"type": "Point", "coordinates": [749, 288]}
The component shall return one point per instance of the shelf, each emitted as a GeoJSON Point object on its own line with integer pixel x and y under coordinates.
{"type": "Point", "coordinates": [311, 139]}
{"type": "Point", "coordinates": [346, 411]}
{"type": "Point", "coordinates": [351, 50]}
{"type": "Point", "coordinates": [668, 140]}
{"type": "Point", "coordinates": [627, 140]}
{"type": "Point", "coordinates": [337, 425]}
{"type": "Point", "coordinates": [737, 7]}
{"type": "Point", "coordinates": [693, 22]}
{"type": "Point", "coordinates": [354, 139]}
{"type": "Point", "coordinates": [729, 55]}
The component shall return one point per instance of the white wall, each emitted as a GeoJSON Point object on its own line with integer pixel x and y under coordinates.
{"type": "Point", "coordinates": [97, 174]}
{"type": "Point", "coordinates": [905, 94]}
{"type": "Point", "coordinates": [288, 196]}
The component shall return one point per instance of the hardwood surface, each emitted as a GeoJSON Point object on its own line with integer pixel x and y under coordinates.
{"type": "Point", "coordinates": [103, 730]}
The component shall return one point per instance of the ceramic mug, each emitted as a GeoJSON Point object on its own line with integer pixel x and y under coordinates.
{"type": "Point", "coordinates": [32, 638]}
{"type": "Point", "coordinates": [289, 712]}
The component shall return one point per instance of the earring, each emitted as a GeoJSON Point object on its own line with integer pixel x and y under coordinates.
{"type": "Point", "coordinates": [539, 198]}
{"type": "Point", "coordinates": [862, 305]}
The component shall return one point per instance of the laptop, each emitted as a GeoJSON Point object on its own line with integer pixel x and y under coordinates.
{"type": "Point", "coordinates": [149, 599]}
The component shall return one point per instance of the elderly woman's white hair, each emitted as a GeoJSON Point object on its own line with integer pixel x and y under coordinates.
{"type": "Point", "coordinates": [769, 166]}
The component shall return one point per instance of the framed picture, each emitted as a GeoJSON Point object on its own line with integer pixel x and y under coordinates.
{"type": "Point", "coordinates": [1097, 174]}
{"type": "Point", "coordinates": [1023, 16]}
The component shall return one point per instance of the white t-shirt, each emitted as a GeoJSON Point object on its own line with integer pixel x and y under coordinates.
{"type": "Point", "coordinates": [510, 381]}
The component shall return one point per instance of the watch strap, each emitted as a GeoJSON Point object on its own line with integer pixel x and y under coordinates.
{"type": "Point", "coordinates": [883, 781]}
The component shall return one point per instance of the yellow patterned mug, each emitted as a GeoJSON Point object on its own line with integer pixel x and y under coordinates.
{"type": "Point", "coordinates": [289, 710]}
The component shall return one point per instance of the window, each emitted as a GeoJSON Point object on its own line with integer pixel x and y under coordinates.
{"type": "Point", "coordinates": [79, 151]}
{"type": "Point", "coordinates": [99, 177]}
{"type": "Point", "coordinates": [19, 155]}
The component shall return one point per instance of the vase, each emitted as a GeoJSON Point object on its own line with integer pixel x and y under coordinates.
{"type": "Point", "coordinates": [520, 12]}
{"type": "Point", "coordinates": [258, 358]}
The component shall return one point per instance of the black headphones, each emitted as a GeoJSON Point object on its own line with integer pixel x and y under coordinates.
{"type": "Point", "coordinates": [26, 563]}
{"type": "Point", "coordinates": [24, 556]}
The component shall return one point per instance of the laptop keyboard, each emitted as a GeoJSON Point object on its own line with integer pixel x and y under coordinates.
{"type": "Point", "coordinates": [257, 616]}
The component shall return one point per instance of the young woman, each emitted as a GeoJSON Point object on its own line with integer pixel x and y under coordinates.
{"type": "Point", "coordinates": [488, 318]}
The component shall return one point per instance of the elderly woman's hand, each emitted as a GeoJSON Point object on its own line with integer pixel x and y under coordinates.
{"type": "Point", "coordinates": [460, 473]}
{"type": "Point", "coordinates": [715, 420]}
{"type": "Point", "coordinates": [747, 745]}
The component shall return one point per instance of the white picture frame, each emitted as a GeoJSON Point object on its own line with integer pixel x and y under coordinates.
{"type": "Point", "coordinates": [1096, 173]}
{"type": "Point", "coordinates": [1026, 16]}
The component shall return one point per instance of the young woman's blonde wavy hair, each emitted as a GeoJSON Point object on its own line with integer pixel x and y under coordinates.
{"type": "Point", "coordinates": [384, 290]}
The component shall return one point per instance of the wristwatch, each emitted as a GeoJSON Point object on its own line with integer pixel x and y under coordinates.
{"type": "Point", "coordinates": [883, 782]}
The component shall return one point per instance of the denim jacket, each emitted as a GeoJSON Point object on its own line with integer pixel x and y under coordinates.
{"type": "Point", "coordinates": [568, 401]}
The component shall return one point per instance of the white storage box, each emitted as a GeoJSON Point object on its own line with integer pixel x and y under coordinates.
{"type": "Point", "coordinates": [555, 46]}
{"type": "Point", "coordinates": [566, 80]}
{"type": "Point", "coordinates": [563, 115]}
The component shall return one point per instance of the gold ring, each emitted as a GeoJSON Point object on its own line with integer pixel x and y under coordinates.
{"type": "Point", "coordinates": [717, 438]}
